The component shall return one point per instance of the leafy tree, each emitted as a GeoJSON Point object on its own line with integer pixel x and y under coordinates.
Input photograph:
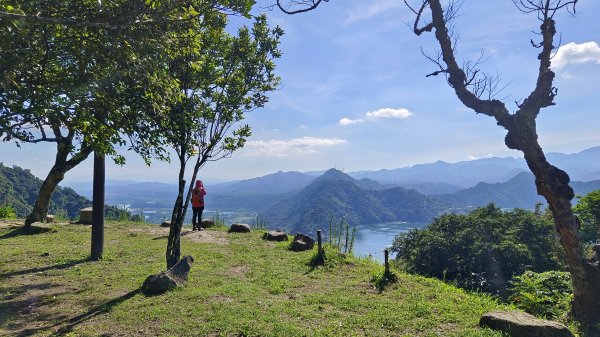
{"type": "Point", "coordinates": [476, 90]}
{"type": "Point", "coordinates": [219, 77]}
{"type": "Point", "coordinates": [83, 74]}
{"type": "Point", "coordinates": [588, 211]}
{"type": "Point", "coordinates": [481, 250]}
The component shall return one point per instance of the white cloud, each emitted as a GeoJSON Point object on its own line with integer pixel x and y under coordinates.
{"type": "Point", "coordinates": [348, 121]}
{"type": "Point", "coordinates": [572, 53]}
{"type": "Point", "coordinates": [283, 148]}
{"type": "Point", "coordinates": [367, 12]}
{"type": "Point", "coordinates": [389, 113]}
{"type": "Point", "coordinates": [378, 114]}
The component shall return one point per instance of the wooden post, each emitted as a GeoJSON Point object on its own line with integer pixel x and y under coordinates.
{"type": "Point", "coordinates": [320, 257]}
{"type": "Point", "coordinates": [98, 208]}
{"type": "Point", "coordinates": [387, 264]}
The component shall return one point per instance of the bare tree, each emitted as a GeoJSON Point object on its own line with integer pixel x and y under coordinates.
{"type": "Point", "coordinates": [477, 91]}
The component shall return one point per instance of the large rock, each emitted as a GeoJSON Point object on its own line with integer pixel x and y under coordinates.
{"type": "Point", "coordinates": [302, 242]}
{"type": "Point", "coordinates": [239, 228]}
{"type": "Point", "coordinates": [275, 236]}
{"type": "Point", "coordinates": [176, 276]}
{"type": "Point", "coordinates": [165, 224]}
{"type": "Point", "coordinates": [85, 215]}
{"type": "Point", "coordinates": [521, 324]}
{"type": "Point", "coordinates": [207, 223]}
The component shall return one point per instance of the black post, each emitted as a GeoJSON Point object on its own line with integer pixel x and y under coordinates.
{"type": "Point", "coordinates": [98, 208]}
{"type": "Point", "coordinates": [320, 253]}
{"type": "Point", "coordinates": [387, 264]}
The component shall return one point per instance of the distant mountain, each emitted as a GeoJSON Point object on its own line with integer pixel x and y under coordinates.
{"type": "Point", "coordinates": [280, 182]}
{"type": "Point", "coordinates": [429, 188]}
{"type": "Point", "coordinates": [339, 195]}
{"type": "Point", "coordinates": [584, 166]}
{"type": "Point", "coordinates": [520, 191]}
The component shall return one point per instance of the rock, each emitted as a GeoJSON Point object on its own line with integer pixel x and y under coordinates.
{"type": "Point", "coordinates": [275, 236]}
{"type": "Point", "coordinates": [207, 224]}
{"type": "Point", "coordinates": [165, 224]}
{"type": "Point", "coordinates": [85, 215]}
{"type": "Point", "coordinates": [176, 276]}
{"type": "Point", "coordinates": [239, 228]}
{"type": "Point", "coordinates": [301, 243]}
{"type": "Point", "coordinates": [521, 324]}
{"type": "Point", "coordinates": [49, 218]}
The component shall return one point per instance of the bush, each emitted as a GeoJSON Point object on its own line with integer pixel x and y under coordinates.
{"type": "Point", "coordinates": [481, 250]}
{"type": "Point", "coordinates": [7, 212]}
{"type": "Point", "coordinates": [545, 295]}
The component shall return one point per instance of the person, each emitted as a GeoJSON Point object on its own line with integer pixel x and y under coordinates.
{"type": "Point", "coordinates": [198, 194]}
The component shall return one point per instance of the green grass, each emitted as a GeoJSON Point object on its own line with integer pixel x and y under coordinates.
{"type": "Point", "coordinates": [239, 285]}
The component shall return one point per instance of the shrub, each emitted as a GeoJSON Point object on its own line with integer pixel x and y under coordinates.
{"type": "Point", "coordinates": [545, 295]}
{"type": "Point", "coordinates": [7, 212]}
{"type": "Point", "coordinates": [481, 250]}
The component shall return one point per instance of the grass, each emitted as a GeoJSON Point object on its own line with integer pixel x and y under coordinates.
{"type": "Point", "coordinates": [239, 285]}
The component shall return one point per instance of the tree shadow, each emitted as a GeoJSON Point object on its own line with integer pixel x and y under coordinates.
{"type": "Point", "coordinates": [21, 231]}
{"type": "Point", "coordinates": [68, 324]}
{"type": "Point", "coordinates": [161, 237]}
{"type": "Point", "coordinates": [43, 269]}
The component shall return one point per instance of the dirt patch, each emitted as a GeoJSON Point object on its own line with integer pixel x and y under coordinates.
{"type": "Point", "coordinates": [11, 223]}
{"type": "Point", "coordinates": [238, 270]}
{"type": "Point", "coordinates": [206, 236]}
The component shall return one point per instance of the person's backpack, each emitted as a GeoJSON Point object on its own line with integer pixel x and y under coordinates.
{"type": "Point", "coordinates": [197, 197]}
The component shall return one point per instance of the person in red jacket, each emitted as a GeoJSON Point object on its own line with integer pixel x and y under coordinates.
{"type": "Point", "coordinates": [198, 194]}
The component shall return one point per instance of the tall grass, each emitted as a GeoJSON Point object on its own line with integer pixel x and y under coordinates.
{"type": "Point", "coordinates": [340, 235]}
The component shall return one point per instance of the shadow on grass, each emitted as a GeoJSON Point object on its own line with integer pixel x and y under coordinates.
{"type": "Point", "coordinates": [21, 231]}
{"type": "Point", "coordinates": [43, 269]}
{"type": "Point", "coordinates": [161, 237]}
{"type": "Point", "coordinates": [66, 325]}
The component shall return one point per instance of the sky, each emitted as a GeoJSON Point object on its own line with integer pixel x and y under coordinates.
{"type": "Point", "coordinates": [354, 94]}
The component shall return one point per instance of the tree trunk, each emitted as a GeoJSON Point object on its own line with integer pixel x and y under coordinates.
{"type": "Point", "coordinates": [174, 242]}
{"type": "Point", "coordinates": [55, 176]}
{"type": "Point", "coordinates": [553, 184]}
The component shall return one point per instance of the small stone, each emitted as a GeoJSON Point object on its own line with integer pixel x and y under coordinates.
{"type": "Point", "coordinates": [165, 224]}
{"type": "Point", "coordinates": [301, 243]}
{"type": "Point", "coordinates": [49, 218]}
{"type": "Point", "coordinates": [275, 236]}
{"type": "Point", "coordinates": [239, 228]}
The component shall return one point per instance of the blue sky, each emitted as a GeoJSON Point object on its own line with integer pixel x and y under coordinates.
{"type": "Point", "coordinates": [354, 95]}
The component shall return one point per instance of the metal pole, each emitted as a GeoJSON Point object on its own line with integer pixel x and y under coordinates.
{"type": "Point", "coordinates": [98, 208]}
{"type": "Point", "coordinates": [387, 264]}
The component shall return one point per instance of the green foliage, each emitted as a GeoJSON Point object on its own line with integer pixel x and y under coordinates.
{"type": "Point", "coordinates": [20, 188]}
{"type": "Point", "coordinates": [340, 235]}
{"type": "Point", "coordinates": [219, 220]}
{"type": "Point", "coordinates": [61, 215]}
{"type": "Point", "coordinates": [481, 250]}
{"type": "Point", "coordinates": [546, 295]}
{"type": "Point", "coordinates": [7, 212]}
{"type": "Point", "coordinates": [381, 277]}
{"type": "Point", "coordinates": [588, 212]}
{"type": "Point", "coordinates": [260, 222]}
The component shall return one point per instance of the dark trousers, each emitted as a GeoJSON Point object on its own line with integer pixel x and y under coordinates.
{"type": "Point", "coordinates": [197, 216]}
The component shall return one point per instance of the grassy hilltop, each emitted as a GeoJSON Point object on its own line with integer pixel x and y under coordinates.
{"type": "Point", "coordinates": [239, 285]}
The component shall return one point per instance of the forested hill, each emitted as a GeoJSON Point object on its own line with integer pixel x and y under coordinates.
{"type": "Point", "coordinates": [339, 195]}
{"type": "Point", "coordinates": [19, 189]}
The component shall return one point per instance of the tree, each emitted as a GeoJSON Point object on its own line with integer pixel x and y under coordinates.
{"type": "Point", "coordinates": [588, 211]}
{"type": "Point", "coordinates": [482, 250]}
{"type": "Point", "coordinates": [220, 77]}
{"type": "Point", "coordinates": [84, 74]}
{"type": "Point", "coordinates": [470, 85]}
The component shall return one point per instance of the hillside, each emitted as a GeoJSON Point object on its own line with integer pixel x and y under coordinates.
{"type": "Point", "coordinates": [339, 195]}
{"type": "Point", "coordinates": [19, 189]}
{"type": "Point", "coordinates": [519, 191]}
{"type": "Point", "coordinates": [239, 285]}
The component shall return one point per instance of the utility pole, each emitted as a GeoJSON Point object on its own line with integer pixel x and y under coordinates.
{"type": "Point", "coordinates": [98, 208]}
